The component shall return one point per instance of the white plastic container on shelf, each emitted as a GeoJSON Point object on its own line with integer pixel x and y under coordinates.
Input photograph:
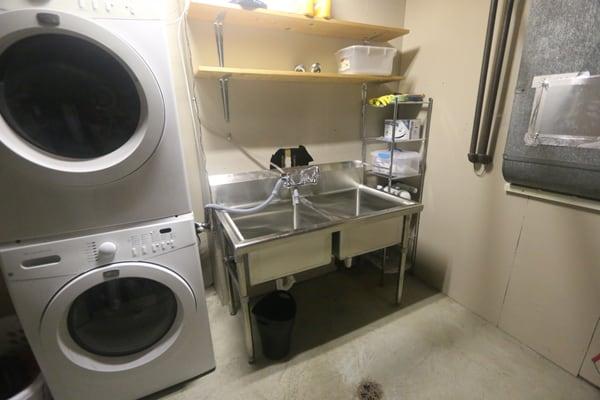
{"type": "Point", "coordinates": [406, 129]}
{"type": "Point", "coordinates": [363, 59]}
{"type": "Point", "coordinates": [406, 163]}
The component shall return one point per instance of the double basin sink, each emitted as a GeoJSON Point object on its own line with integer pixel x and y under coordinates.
{"type": "Point", "coordinates": [339, 216]}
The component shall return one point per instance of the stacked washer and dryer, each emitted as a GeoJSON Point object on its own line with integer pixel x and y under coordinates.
{"type": "Point", "coordinates": [97, 240]}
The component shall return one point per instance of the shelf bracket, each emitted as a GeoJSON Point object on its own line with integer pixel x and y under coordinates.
{"type": "Point", "coordinates": [223, 81]}
{"type": "Point", "coordinates": [363, 118]}
{"type": "Point", "coordinates": [224, 85]}
{"type": "Point", "coordinates": [218, 25]}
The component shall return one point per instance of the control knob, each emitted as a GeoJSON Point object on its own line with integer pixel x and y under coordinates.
{"type": "Point", "coordinates": [107, 250]}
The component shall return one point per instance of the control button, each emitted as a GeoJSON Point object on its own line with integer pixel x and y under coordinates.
{"type": "Point", "coordinates": [144, 250]}
{"type": "Point", "coordinates": [154, 247]}
{"type": "Point", "coordinates": [133, 252]}
{"type": "Point", "coordinates": [171, 243]}
{"type": "Point", "coordinates": [163, 245]}
{"type": "Point", "coordinates": [107, 250]}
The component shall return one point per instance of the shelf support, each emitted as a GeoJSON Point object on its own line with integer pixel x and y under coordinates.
{"type": "Point", "coordinates": [218, 25]}
{"type": "Point", "coordinates": [392, 147]}
{"type": "Point", "coordinates": [363, 119]}
{"type": "Point", "coordinates": [423, 167]}
{"type": "Point", "coordinates": [223, 81]}
{"type": "Point", "coordinates": [224, 84]}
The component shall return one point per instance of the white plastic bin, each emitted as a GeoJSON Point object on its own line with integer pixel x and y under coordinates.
{"type": "Point", "coordinates": [406, 129]}
{"type": "Point", "coordinates": [362, 59]}
{"type": "Point", "coordinates": [13, 341]}
{"type": "Point", "coordinates": [35, 391]}
{"type": "Point", "coordinates": [406, 163]}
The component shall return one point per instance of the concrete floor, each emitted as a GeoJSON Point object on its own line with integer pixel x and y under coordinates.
{"type": "Point", "coordinates": [348, 330]}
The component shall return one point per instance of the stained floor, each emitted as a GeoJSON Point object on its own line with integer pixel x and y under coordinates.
{"type": "Point", "coordinates": [349, 332]}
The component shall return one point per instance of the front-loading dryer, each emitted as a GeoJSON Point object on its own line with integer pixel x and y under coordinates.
{"type": "Point", "coordinates": [115, 315]}
{"type": "Point", "coordinates": [89, 134]}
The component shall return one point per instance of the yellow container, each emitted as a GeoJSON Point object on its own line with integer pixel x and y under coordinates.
{"type": "Point", "coordinates": [309, 8]}
{"type": "Point", "coordinates": [323, 8]}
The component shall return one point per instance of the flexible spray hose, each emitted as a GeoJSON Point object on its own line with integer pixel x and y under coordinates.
{"type": "Point", "coordinates": [252, 209]}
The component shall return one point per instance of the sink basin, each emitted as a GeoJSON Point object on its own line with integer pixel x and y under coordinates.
{"type": "Point", "coordinates": [315, 212]}
{"type": "Point", "coordinates": [277, 218]}
{"type": "Point", "coordinates": [354, 202]}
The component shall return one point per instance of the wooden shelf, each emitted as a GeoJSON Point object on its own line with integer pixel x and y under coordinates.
{"type": "Point", "coordinates": [289, 76]}
{"type": "Point", "coordinates": [262, 18]}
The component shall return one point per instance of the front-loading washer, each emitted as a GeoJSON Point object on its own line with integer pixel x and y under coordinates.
{"type": "Point", "coordinates": [89, 136]}
{"type": "Point", "coordinates": [116, 315]}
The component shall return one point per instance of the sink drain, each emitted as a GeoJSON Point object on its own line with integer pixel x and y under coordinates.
{"type": "Point", "coordinates": [369, 390]}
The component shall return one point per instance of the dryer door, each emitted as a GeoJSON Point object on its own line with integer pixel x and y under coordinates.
{"type": "Point", "coordinates": [116, 317]}
{"type": "Point", "coordinates": [77, 104]}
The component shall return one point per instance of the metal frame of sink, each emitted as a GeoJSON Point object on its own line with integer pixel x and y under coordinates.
{"type": "Point", "coordinates": [252, 253]}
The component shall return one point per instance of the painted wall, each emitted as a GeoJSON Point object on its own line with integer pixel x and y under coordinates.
{"type": "Point", "coordinates": [266, 115]}
{"type": "Point", "coordinates": [532, 268]}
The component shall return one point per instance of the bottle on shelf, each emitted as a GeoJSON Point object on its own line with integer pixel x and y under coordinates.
{"type": "Point", "coordinates": [322, 8]}
{"type": "Point", "coordinates": [309, 8]}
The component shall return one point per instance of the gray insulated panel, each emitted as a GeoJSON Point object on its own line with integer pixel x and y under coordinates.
{"type": "Point", "coordinates": [562, 36]}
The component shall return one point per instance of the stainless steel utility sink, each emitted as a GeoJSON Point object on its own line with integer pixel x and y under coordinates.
{"type": "Point", "coordinates": [285, 238]}
{"type": "Point", "coordinates": [307, 225]}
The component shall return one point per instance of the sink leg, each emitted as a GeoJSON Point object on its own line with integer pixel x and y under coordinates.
{"type": "Point", "coordinates": [382, 275]}
{"type": "Point", "coordinates": [242, 273]}
{"type": "Point", "coordinates": [232, 295]}
{"type": "Point", "coordinates": [249, 340]}
{"type": "Point", "coordinates": [402, 266]}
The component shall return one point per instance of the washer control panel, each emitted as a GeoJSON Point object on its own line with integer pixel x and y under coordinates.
{"type": "Point", "coordinates": [152, 242]}
{"type": "Point", "coordinates": [76, 254]}
{"type": "Point", "coordinates": [116, 7]}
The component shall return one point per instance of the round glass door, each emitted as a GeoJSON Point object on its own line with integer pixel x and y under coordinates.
{"type": "Point", "coordinates": [67, 96]}
{"type": "Point", "coordinates": [122, 316]}
{"type": "Point", "coordinates": [79, 105]}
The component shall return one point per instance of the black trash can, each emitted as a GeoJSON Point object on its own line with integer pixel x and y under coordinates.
{"type": "Point", "coordinates": [275, 314]}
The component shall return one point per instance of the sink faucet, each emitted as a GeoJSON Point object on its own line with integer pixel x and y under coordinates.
{"type": "Point", "coordinates": [301, 177]}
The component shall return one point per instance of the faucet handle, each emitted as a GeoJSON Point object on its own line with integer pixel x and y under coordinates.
{"type": "Point", "coordinates": [304, 176]}
{"type": "Point", "coordinates": [310, 176]}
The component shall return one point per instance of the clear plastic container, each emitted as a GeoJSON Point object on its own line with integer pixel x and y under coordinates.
{"type": "Point", "coordinates": [406, 163]}
{"type": "Point", "coordinates": [362, 59]}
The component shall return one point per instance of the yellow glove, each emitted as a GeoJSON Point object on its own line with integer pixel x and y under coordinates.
{"type": "Point", "coordinates": [383, 100]}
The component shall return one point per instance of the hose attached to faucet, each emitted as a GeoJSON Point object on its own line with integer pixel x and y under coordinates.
{"type": "Point", "coordinates": [251, 209]}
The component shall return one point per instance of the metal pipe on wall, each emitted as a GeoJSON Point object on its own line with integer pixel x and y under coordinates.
{"type": "Point", "coordinates": [486, 131]}
{"type": "Point", "coordinates": [489, 37]}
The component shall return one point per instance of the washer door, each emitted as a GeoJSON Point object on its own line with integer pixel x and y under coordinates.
{"type": "Point", "coordinates": [117, 317]}
{"type": "Point", "coordinates": [77, 104]}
